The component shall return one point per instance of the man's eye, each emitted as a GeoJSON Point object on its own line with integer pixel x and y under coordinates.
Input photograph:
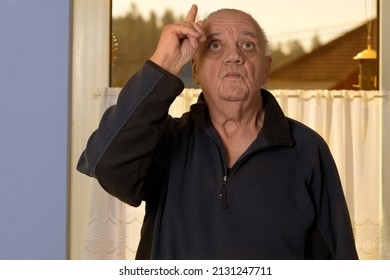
{"type": "Point", "coordinates": [214, 46]}
{"type": "Point", "coordinates": [248, 45]}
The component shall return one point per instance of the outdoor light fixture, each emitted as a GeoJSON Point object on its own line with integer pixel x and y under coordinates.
{"type": "Point", "coordinates": [368, 79]}
{"type": "Point", "coordinates": [368, 76]}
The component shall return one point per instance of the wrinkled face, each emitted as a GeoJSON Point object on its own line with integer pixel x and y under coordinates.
{"type": "Point", "coordinates": [231, 64]}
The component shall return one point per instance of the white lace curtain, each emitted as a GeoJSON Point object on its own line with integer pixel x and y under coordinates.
{"type": "Point", "coordinates": [351, 122]}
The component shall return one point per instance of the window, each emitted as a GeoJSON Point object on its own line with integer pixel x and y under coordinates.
{"type": "Point", "coordinates": [312, 44]}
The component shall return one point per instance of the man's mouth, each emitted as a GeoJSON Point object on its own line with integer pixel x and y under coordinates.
{"type": "Point", "coordinates": [233, 75]}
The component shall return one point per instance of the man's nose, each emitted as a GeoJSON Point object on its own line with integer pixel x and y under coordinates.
{"type": "Point", "coordinates": [234, 55]}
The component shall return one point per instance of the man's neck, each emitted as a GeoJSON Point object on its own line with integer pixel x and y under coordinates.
{"type": "Point", "coordinates": [233, 117]}
{"type": "Point", "coordinates": [237, 125]}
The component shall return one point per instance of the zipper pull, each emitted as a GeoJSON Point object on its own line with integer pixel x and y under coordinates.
{"type": "Point", "coordinates": [223, 193]}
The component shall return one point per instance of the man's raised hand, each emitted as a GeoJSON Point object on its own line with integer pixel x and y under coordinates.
{"type": "Point", "coordinates": [179, 42]}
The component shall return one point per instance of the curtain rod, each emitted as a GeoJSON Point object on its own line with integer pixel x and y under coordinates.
{"type": "Point", "coordinates": [335, 95]}
{"type": "Point", "coordinates": [112, 91]}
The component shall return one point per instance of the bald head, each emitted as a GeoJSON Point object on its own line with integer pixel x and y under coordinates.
{"type": "Point", "coordinates": [229, 13]}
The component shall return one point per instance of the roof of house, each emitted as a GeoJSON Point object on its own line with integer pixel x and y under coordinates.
{"type": "Point", "coordinates": [332, 62]}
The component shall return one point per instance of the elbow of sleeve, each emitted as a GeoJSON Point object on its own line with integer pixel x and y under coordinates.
{"type": "Point", "coordinates": [121, 183]}
{"type": "Point", "coordinates": [84, 166]}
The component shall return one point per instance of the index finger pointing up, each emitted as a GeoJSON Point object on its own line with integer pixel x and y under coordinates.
{"type": "Point", "coordinates": [191, 16]}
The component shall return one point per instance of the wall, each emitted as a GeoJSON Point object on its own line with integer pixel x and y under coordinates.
{"type": "Point", "coordinates": [90, 74]}
{"type": "Point", "coordinates": [34, 112]}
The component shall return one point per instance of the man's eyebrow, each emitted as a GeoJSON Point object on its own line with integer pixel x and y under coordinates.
{"type": "Point", "coordinates": [250, 34]}
{"type": "Point", "coordinates": [214, 34]}
{"type": "Point", "coordinates": [245, 33]}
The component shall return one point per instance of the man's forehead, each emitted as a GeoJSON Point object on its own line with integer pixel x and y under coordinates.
{"type": "Point", "coordinates": [217, 30]}
{"type": "Point", "coordinates": [243, 33]}
{"type": "Point", "coordinates": [240, 21]}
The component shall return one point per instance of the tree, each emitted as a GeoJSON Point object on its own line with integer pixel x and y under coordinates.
{"type": "Point", "coordinates": [279, 57]}
{"type": "Point", "coordinates": [295, 48]}
{"type": "Point", "coordinates": [168, 17]}
{"type": "Point", "coordinates": [283, 53]}
{"type": "Point", "coordinates": [137, 38]}
{"type": "Point", "coordinates": [315, 42]}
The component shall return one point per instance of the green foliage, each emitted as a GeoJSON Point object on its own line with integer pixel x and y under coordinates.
{"type": "Point", "coordinates": [137, 38]}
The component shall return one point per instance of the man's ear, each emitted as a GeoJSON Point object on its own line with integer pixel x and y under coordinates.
{"type": "Point", "coordinates": [267, 66]}
{"type": "Point", "coordinates": [194, 72]}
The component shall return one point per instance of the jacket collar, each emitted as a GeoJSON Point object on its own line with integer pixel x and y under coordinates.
{"type": "Point", "coordinates": [275, 129]}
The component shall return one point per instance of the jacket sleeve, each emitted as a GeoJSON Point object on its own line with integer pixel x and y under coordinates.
{"type": "Point", "coordinates": [119, 153]}
{"type": "Point", "coordinates": [333, 220]}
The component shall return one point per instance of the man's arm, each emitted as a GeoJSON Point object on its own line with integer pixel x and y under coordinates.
{"type": "Point", "coordinates": [334, 220]}
{"type": "Point", "coordinates": [332, 234]}
{"type": "Point", "coordinates": [120, 151]}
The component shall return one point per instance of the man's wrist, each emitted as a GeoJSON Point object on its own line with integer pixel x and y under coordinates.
{"type": "Point", "coordinates": [166, 64]}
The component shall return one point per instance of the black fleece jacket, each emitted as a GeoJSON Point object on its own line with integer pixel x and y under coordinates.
{"type": "Point", "coordinates": [282, 199]}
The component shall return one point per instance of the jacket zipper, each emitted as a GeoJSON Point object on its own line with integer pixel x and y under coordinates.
{"type": "Point", "coordinates": [223, 190]}
{"type": "Point", "coordinates": [223, 193]}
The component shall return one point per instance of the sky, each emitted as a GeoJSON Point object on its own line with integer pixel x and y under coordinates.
{"type": "Point", "coordinates": [282, 20]}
